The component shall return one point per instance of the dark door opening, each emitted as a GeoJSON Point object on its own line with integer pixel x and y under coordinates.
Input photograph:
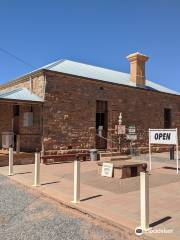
{"type": "Point", "coordinates": [167, 118]}
{"type": "Point", "coordinates": [16, 114]}
{"type": "Point", "coordinates": [101, 124]}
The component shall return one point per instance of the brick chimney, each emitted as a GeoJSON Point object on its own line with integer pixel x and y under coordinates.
{"type": "Point", "coordinates": [137, 68]}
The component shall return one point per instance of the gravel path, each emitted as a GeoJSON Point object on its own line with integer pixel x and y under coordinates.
{"type": "Point", "coordinates": [27, 215]}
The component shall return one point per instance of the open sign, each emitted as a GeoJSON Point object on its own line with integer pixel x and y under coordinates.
{"type": "Point", "coordinates": [166, 136]}
{"type": "Point", "coordinates": [163, 136]}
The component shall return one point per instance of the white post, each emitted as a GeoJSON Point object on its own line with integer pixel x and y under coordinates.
{"type": "Point", "coordinates": [144, 200]}
{"type": "Point", "coordinates": [76, 180]}
{"type": "Point", "coordinates": [10, 161]}
{"type": "Point", "coordinates": [177, 154]}
{"type": "Point", "coordinates": [18, 144]}
{"type": "Point", "coordinates": [37, 170]}
{"type": "Point", "coordinates": [150, 157]}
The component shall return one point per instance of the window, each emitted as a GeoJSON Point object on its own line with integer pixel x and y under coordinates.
{"type": "Point", "coordinates": [167, 118]}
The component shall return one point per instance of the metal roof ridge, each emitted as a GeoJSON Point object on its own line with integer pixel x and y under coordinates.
{"type": "Point", "coordinates": [50, 65]}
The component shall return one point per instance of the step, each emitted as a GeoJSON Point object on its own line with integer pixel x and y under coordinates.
{"type": "Point", "coordinates": [114, 158]}
{"type": "Point", "coordinates": [110, 154]}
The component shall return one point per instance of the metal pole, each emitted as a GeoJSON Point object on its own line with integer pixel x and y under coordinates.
{"type": "Point", "coordinates": [18, 144]}
{"type": "Point", "coordinates": [177, 154]}
{"type": "Point", "coordinates": [171, 152]}
{"type": "Point", "coordinates": [119, 143]}
{"type": "Point", "coordinates": [144, 198]}
{"type": "Point", "coordinates": [37, 170]}
{"type": "Point", "coordinates": [10, 161]}
{"type": "Point", "coordinates": [150, 157]}
{"type": "Point", "coordinates": [76, 180]}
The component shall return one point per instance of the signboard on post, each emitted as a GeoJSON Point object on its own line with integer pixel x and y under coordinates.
{"type": "Point", "coordinates": [131, 130]}
{"type": "Point", "coordinates": [120, 129]}
{"type": "Point", "coordinates": [107, 170]}
{"type": "Point", "coordinates": [132, 135]}
{"type": "Point", "coordinates": [163, 136]}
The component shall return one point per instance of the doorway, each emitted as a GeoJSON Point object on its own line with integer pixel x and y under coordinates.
{"type": "Point", "coordinates": [16, 114]}
{"type": "Point", "coordinates": [101, 124]}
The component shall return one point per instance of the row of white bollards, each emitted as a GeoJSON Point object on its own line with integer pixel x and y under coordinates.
{"type": "Point", "coordinates": [36, 167]}
{"type": "Point", "coordinates": [76, 198]}
{"type": "Point", "coordinates": [144, 185]}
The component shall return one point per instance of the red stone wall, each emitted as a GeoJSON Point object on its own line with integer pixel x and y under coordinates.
{"type": "Point", "coordinates": [70, 110]}
{"type": "Point", "coordinates": [5, 116]}
{"type": "Point", "coordinates": [37, 84]}
{"type": "Point", "coordinates": [30, 136]}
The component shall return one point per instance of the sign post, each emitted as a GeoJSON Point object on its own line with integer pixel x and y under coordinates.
{"type": "Point", "coordinates": [163, 136]}
{"type": "Point", "coordinates": [150, 154]}
{"type": "Point", "coordinates": [10, 161]}
{"type": "Point", "coordinates": [120, 129]}
{"type": "Point", "coordinates": [177, 154]}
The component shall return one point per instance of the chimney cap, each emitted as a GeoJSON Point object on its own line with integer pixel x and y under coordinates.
{"type": "Point", "coordinates": [137, 56]}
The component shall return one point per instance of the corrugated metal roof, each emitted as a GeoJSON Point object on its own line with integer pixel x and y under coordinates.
{"type": "Point", "coordinates": [22, 94]}
{"type": "Point", "coordinates": [99, 73]}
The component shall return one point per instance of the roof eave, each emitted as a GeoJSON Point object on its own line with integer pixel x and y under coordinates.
{"type": "Point", "coordinates": [8, 100]}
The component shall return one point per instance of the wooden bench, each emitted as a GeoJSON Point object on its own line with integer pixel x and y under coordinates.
{"type": "Point", "coordinates": [47, 159]}
{"type": "Point", "coordinates": [123, 168]}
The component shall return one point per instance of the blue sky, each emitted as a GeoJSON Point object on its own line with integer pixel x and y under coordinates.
{"type": "Point", "coordinates": [98, 32]}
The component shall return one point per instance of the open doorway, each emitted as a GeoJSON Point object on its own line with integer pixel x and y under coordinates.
{"type": "Point", "coordinates": [16, 114]}
{"type": "Point", "coordinates": [101, 124]}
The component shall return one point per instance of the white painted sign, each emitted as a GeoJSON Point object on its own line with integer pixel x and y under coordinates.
{"type": "Point", "coordinates": [163, 136]}
{"type": "Point", "coordinates": [120, 129]}
{"type": "Point", "coordinates": [132, 137]}
{"type": "Point", "coordinates": [131, 130]}
{"type": "Point", "coordinates": [107, 170]}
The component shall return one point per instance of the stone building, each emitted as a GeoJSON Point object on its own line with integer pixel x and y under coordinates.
{"type": "Point", "coordinates": [62, 105]}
